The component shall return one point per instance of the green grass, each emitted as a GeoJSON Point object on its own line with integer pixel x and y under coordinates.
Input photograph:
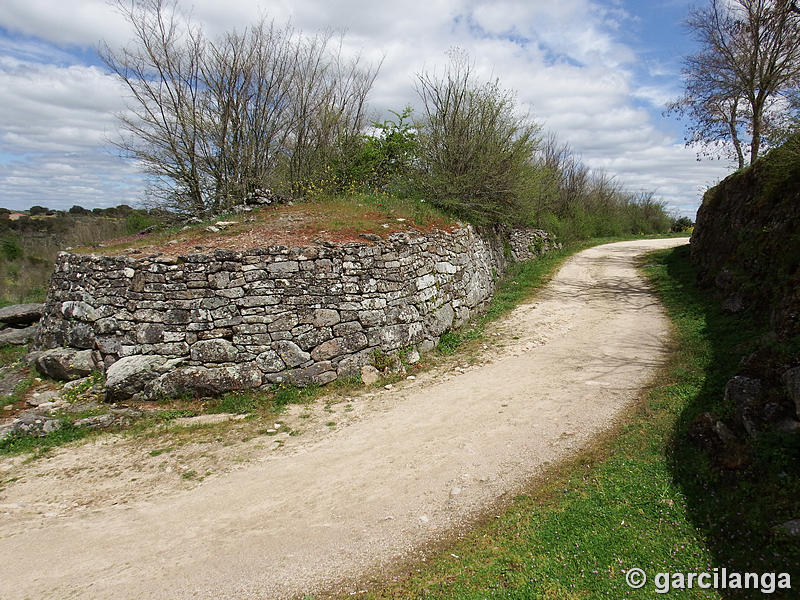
{"type": "Point", "coordinates": [38, 446]}
{"type": "Point", "coordinates": [10, 355]}
{"type": "Point", "coordinates": [10, 358]}
{"type": "Point", "coordinates": [643, 496]}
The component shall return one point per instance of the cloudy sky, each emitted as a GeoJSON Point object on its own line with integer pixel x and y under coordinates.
{"type": "Point", "coordinates": [596, 72]}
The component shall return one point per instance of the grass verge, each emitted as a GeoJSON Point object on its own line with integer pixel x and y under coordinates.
{"type": "Point", "coordinates": [642, 496]}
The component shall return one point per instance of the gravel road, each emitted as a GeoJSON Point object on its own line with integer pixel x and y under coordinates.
{"type": "Point", "coordinates": [423, 459]}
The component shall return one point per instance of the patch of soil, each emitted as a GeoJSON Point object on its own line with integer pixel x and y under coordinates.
{"type": "Point", "coordinates": [295, 226]}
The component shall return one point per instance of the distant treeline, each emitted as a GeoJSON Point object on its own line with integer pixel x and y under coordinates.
{"type": "Point", "coordinates": [30, 241]}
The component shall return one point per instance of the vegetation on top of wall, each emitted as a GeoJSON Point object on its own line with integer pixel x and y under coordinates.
{"type": "Point", "coordinates": [294, 126]}
{"type": "Point", "coordinates": [747, 238]}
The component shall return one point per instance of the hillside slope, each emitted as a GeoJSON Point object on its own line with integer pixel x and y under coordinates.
{"type": "Point", "coordinates": [746, 240]}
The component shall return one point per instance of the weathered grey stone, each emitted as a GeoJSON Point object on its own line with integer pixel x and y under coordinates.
{"type": "Point", "coordinates": [72, 309]}
{"type": "Point", "coordinates": [203, 381]}
{"type": "Point", "coordinates": [214, 351]}
{"type": "Point", "coordinates": [393, 337]}
{"type": "Point", "coordinates": [283, 323]}
{"type": "Point", "coordinates": [219, 280]}
{"type": "Point", "coordinates": [283, 268]}
{"type": "Point", "coordinates": [177, 316]}
{"type": "Point", "coordinates": [327, 350]}
{"type": "Point", "coordinates": [127, 377]}
{"type": "Point", "coordinates": [344, 329]}
{"type": "Point", "coordinates": [325, 317]}
{"type": "Point", "coordinates": [18, 337]}
{"type": "Point", "coordinates": [440, 320]}
{"type": "Point", "coordinates": [65, 364]}
{"type": "Point", "coordinates": [270, 362]}
{"type": "Point", "coordinates": [425, 281]}
{"type": "Point", "coordinates": [354, 342]}
{"type": "Point", "coordinates": [745, 393]}
{"type": "Point", "coordinates": [109, 345]}
{"type": "Point", "coordinates": [405, 313]}
{"type": "Point", "coordinates": [79, 335]}
{"type": "Point", "coordinates": [319, 373]}
{"type": "Point", "coordinates": [428, 345]}
{"type": "Point", "coordinates": [351, 364]}
{"type": "Point", "coordinates": [445, 267]}
{"type": "Point", "coordinates": [412, 357]}
{"type": "Point", "coordinates": [370, 375]}
{"type": "Point", "coordinates": [152, 333]}
{"type": "Point", "coordinates": [371, 318]}
{"type": "Point", "coordinates": [291, 353]}
{"type": "Point", "coordinates": [106, 326]}
{"type": "Point", "coordinates": [21, 314]}
{"type": "Point", "coordinates": [313, 338]}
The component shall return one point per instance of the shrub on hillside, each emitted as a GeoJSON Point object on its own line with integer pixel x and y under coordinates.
{"type": "Point", "coordinates": [475, 151]}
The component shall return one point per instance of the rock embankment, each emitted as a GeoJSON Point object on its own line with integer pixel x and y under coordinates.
{"type": "Point", "coordinates": [212, 322]}
{"type": "Point", "coordinates": [746, 242]}
{"type": "Point", "coordinates": [18, 323]}
{"type": "Point", "coordinates": [746, 246]}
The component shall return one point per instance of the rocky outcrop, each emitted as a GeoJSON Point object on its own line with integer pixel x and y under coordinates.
{"type": "Point", "coordinates": [127, 377]}
{"type": "Point", "coordinates": [238, 319]}
{"type": "Point", "coordinates": [746, 247]}
{"type": "Point", "coordinates": [21, 314]}
{"type": "Point", "coordinates": [65, 364]}
{"type": "Point", "coordinates": [746, 241]}
{"type": "Point", "coordinates": [17, 337]}
{"type": "Point", "coordinates": [18, 323]}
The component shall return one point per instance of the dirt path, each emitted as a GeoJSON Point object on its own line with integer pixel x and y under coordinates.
{"type": "Point", "coordinates": [412, 464]}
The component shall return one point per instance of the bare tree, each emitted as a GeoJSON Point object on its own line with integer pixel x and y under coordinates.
{"type": "Point", "coordinates": [215, 121]}
{"type": "Point", "coordinates": [739, 84]}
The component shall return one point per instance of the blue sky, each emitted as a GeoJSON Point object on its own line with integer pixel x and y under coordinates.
{"type": "Point", "coordinates": [597, 73]}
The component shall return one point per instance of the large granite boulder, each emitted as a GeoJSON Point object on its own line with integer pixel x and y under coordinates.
{"type": "Point", "coordinates": [17, 337]}
{"type": "Point", "coordinates": [203, 381]}
{"type": "Point", "coordinates": [128, 377]}
{"type": "Point", "coordinates": [65, 364]}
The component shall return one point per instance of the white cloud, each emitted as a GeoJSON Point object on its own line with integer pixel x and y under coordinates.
{"type": "Point", "coordinates": [568, 61]}
{"type": "Point", "coordinates": [54, 108]}
{"type": "Point", "coordinates": [73, 23]}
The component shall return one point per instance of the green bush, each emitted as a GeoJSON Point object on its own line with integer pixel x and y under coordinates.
{"type": "Point", "coordinates": [10, 247]}
{"type": "Point", "coordinates": [382, 160]}
{"type": "Point", "coordinates": [138, 221]}
{"type": "Point", "coordinates": [475, 151]}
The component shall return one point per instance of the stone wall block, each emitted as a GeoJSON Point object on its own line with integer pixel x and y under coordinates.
{"type": "Point", "coordinates": [305, 315]}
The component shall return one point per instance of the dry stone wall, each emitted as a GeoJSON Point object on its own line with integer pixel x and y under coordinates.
{"type": "Point", "coordinates": [163, 325]}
